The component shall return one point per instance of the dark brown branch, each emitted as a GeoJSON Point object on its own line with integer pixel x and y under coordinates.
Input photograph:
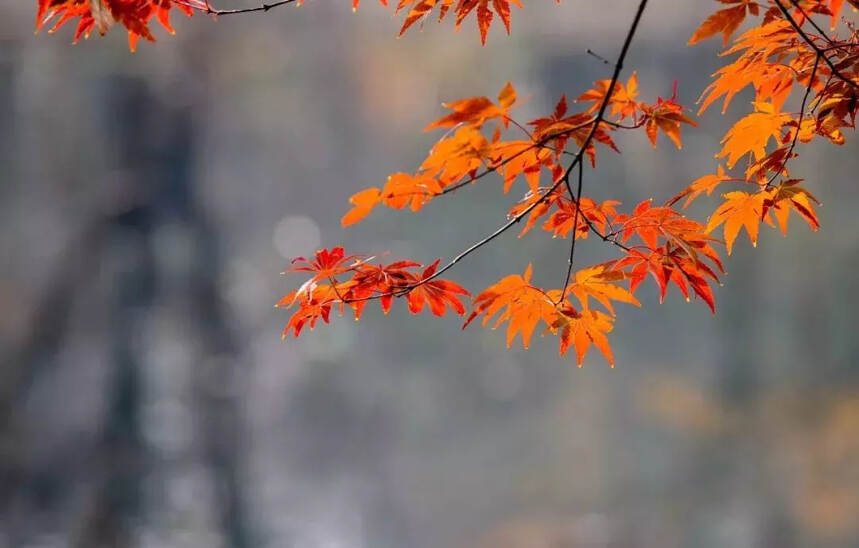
{"type": "Point", "coordinates": [576, 200]}
{"type": "Point", "coordinates": [261, 7]}
{"type": "Point", "coordinates": [562, 180]}
{"type": "Point", "coordinates": [218, 12]}
{"type": "Point", "coordinates": [799, 122]}
{"type": "Point", "coordinates": [598, 57]}
{"type": "Point", "coordinates": [841, 45]}
{"type": "Point", "coordinates": [542, 143]}
{"type": "Point", "coordinates": [576, 197]}
{"type": "Point", "coordinates": [808, 40]}
{"type": "Point", "coordinates": [814, 24]}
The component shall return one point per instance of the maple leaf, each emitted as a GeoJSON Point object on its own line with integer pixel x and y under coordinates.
{"type": "Point", "coordinates": [622, 103]}
{"type": "Point", "coordinates": [439, 294]}
{"type": "Point", "coordinates": [315, 303]}
{"type": "Point", "coordinates": [725, 21]}
{"type": "Point", "coordinates": [832, 115]}
{"type": "Point", "coordinates": [355, 3]}
{"type": "Point", "coordinates": [730, 80]}
{"type": "Point", "coordinates": [739, 210]}
{"type": "Point", "coordinates": [576, 127]}
{"type": "Point", "coordinates": [457, 156]}
{"type": "Point", "coordinates": [314, 300]}
{"type": "Point", "coordinates": [600, 283]}
{"type": "Point", "coordinates": [665, 115]}
{"type": "Point", "coordinates": [580, 329]}
{"type": "Point", "coordinates": [774, 162]}
{"type": "Point", "coordinates": [752, 133]}
{"type": "Point", "coordinates": [671, 264]}
{"type": "Point", "coordinates": [363, 203]}
{"type": "Point", "coordinates": [772, 80]}
{"type": "Point", "coordinates": [652, 223]}
{"type": "Point", "coordinates": [420, 9]}
{"type": "Point", "coordinates": [524, 306]}
{"type": "Point", "coordinates": [560, 223]}
{"type": "Point", "coordinates": [524, 158]}
{"type": "Point", "coordinates": [381, 281]}
{"type": "Point", "coordinates": [744, 210]}
{"type": "Point", "coordinates": [325, 265]}
{"type": "Point", "coordinates": [99, 15]}
{"type": "Point", "coordinates": [484, 9]}
{"type": "Point", "coordinates": [404, 189]}
{"type": "Point", "coordinates": [789, 195]}
{"type": "Point", "coordinates": [476, 111]}
{"type": "Point", "coordinates": [517, 302]}
{"type": "Point", "coordinates": [839, 102]}
{"type": "Point", "coordinates": [400, 190]}
{"type": "Point", "coordinates": [542, 207]}
{"type": "Point", "coordinates": [706, 184]}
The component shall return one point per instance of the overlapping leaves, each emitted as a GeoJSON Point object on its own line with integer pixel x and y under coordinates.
{"type": "Point", "coordinates": [805, 83]}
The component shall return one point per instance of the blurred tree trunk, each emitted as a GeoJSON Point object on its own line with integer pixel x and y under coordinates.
{"type": "Point", "coordinates": [154, 142]}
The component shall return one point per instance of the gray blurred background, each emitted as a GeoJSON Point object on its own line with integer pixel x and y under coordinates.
{"type": "Point", "coordinates": [149, 201]}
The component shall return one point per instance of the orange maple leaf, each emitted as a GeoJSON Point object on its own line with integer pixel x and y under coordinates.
{"type": "Point", "coordinates": [623, 100]}
{"type": "Point", "coordinates": [706, 184]}
{"type": "Point", "coordinates": [100, 15]}
{"type": "Point", "coordinates": [600, 282]}
{"type": "Point", "coordinates": [745, 210]}
{"type": "Point", "coordinates": [363, 203]}
{"type": "Point", "coordinates": [439, 294]}
{"type": "Point", "coordinates": [752, 133]}
{"type": "Point", "coordinates": [476, 111]}
{"type": "Point", "coordinates": [580, 329]}
{"type": "Point", "coordinates": [524, 306]}
{"type": "Point", "coordinates": [325, 265]}
{"type": "Point", "coordinates": [521, 158]}
{"type": "Point", "coordinates": [485, 10]}
{"type": "Point", "coordinates": [671, 264]}
{"type": "Point", "coordinates": [517, 302]}
{"type": "Point", "coordinates": [457, 155]}
{"type": "Point", "coordinates": [789, 196]}
{"type": "Point", "coordinates": [652, 223]}
{"type": "Point", "coordinates": [314, 303]}
{"type": "Point", "coordinates": [724, 21]}
{"type": "Point", "coordinates": [739, 210]}
{"type": "Point", "coordinates": [560, 223]}
{"type": "Point", "coordinates": [400, 190]}
{"type": "Point", "coordinates": [665, 115]}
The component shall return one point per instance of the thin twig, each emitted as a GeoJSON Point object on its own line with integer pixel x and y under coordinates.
{"type": "Point", "coordinates": [576, 200]}
{"type": "Point", "coordinates": [539, 144]}
{"type": "Point", "coordinates": [262, 7]}
{"type": "Point", "coordinates": [813, 22]}
{"type": "Point", "coordinates": [799, 123]}
{"type": "Point", "coordinates": [618, 67]}
{"type": "Point", "coordinates": [598, 57]}
{"type": "Point", "coordinates": [814, 46]}
{"type": "Point", "coordinates": [842, 45]}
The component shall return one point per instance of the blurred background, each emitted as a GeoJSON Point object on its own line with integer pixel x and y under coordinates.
{"type": "Point", "coordinates": [149, 201]}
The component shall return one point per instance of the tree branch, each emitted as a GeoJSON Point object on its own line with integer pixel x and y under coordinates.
{"type": "Point", "coordinates": [813, 22]}
{"type": "Point", "coordinates": [576, 200]}
{"type": "Point", "coordinates": [564, 179]}
{"type": "Point", "coordinates": [218, 12]}
{"type": "Point", "coordinates": [814, 46]}
{"type": "Point", "coordinates": [799, 122]}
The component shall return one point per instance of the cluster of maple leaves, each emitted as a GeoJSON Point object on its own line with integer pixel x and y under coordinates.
{"type": "Point", "coordinates": [100, 15]}
{"type": "Point", "coordinates": [135, 15]}
{"type": "Point", "coordinates": [784, 56]}
{"type": "Point", "coordinates": [656, 240]}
